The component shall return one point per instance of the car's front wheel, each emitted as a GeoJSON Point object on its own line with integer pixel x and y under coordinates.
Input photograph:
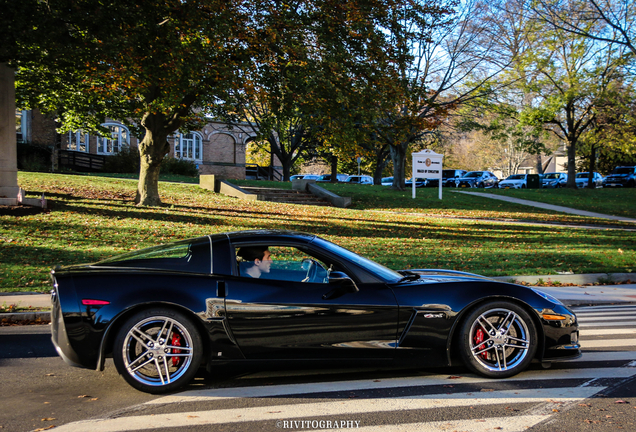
{"type": "Point", "coordinates": [498, 339]}
{"type": "Point", "coordinates": [158, 350]}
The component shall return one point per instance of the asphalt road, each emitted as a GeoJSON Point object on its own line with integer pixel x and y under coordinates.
{"type": "Point", "coordinates": [596, 392]}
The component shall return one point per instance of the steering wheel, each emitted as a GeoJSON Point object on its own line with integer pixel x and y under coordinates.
{"type": "Point", "coordinates": [312, 267]}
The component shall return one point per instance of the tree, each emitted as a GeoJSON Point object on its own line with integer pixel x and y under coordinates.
{"type": "Point", "coordinates": [443, 50]}
{"type": "Point", "coordinates": [151, 65]}
{"type": "Point", "coordinates": [304, 88]}
{"type": "Point", "coordinates": [611, 140]}
{"type": "Point", "coordinates": [611, 21]}
{"type": "Point", "coordinates": [573, 73]}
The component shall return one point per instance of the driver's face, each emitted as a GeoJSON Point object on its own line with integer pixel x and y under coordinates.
{"type": "Point", "coordinates": [265, 264]}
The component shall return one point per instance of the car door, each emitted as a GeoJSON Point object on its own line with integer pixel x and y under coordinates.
{"type": "Point", "coordinates": [283, 317]}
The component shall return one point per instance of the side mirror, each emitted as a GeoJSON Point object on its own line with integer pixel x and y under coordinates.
{"type": "Point", "coordinates": [342, 283]}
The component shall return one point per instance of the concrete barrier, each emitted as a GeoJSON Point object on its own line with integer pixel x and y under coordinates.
{"type": "Point", "coordinates": [334, 199]}
{"type": "Point", "coordinates": [218, 185]}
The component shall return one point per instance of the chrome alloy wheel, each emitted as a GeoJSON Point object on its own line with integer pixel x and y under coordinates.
{"type": "Point", "coordinates": [499, 339]}
{"type": "Point", "coordinates": [157, 351]}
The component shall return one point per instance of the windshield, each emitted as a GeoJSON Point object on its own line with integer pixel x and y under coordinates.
{"type": "Point", "coordinates": [582, 175]}
{"type": "Point", "coordinates": [474, 174]}
{"type": "Point", "coordinates": [379, 270]}
{"type": "Point", "coordinates": [623, 170]}
{"type": "Point", "coordinates": [552, 176]}
{"type": "Point", "coordinates": [516, 177]}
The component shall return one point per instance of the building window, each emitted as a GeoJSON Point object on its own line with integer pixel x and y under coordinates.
{"type": "Point", "coordinates": [119, 138]}
{"type": "Point", "coordinates": [21, 126]}
{"type": "Point", "coordinates": [188, 146]}
{"type": "Point", "coordinates": [78, 141]}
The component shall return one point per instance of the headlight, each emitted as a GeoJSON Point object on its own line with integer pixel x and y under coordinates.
{"type": "Point", "coordinates": [548, 297]}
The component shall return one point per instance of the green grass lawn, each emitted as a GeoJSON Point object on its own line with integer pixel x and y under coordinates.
{"type": "Point", "coordinates": [92, 218]}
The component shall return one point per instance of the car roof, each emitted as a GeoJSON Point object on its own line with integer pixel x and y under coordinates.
{"type": "Point", "coordinates": [267, 235]}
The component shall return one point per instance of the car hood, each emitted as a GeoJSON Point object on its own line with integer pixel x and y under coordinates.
{"type": "Point", "coordinates": [440, 275]}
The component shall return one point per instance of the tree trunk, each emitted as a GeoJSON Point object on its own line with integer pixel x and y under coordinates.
{"type": "Point", "coordinates": [381, 160]}
{"type": "Point", "coordinates": [334, 169]}
{"type": "Point", "coordinates": [152, 151]}
{"type": "Point", "coordinates": [398, 157]}
{"type": "Point", "coordinates": [590, 177]}
{"type": "Point", "coordinates": [571, 165]}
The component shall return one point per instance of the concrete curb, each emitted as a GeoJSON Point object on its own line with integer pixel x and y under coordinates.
{"type": "Point", "coordinates": [576, 279]}
{"type": "Point", "coordinates": [25, 318]}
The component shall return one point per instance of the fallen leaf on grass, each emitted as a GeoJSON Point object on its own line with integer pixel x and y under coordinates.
{"type": "Point", "coordinates": [49, 419]}
{"type": "Point", "coordinates": [191, 416]}
{"type": "Point", "coordinates": [622, 401]}
{"type": "Point", "coordinates": [487, 390]}
{"type": "Point", "coordinates": [43, 429]}
{"type": "Point", "coordinates": [83, 396]}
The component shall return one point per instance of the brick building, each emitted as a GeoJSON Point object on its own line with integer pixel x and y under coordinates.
{"type": "Point", "coordinates": [215, 149]}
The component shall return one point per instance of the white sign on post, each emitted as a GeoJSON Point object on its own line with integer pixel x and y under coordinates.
{"type": "Point", "coordinates": [428, 165]}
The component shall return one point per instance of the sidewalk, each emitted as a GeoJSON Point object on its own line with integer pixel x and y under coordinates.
{"type": "Point", "coordinates": [550, 206]}
{"type": "Point", "coordinates": [576, 295]}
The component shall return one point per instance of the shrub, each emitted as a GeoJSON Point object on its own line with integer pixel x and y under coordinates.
{"type": "Point", "coordinates": [34, 157]}
{"type": "Point", "coordinates": [179, 167]}
{"type": "Point", "coordinates": [124, 161]}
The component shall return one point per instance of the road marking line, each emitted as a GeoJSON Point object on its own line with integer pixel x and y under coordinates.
{"type": "Point", "coordinates": [347, 407]}
{"type": "Point", "coordinates": [431, 380]}
{"type": "Point", "coordinates": [604, 315]}
{"type": "Point", "coordinates": [508, 424]}
{"type": "Point", "coordinates": [606, 356]}
{"type": "Point", "coordinates": [603, 332]}
{"type": "Point", "coordinates": [608, 343]}
{"type": "Point", "coordinates": [606, 323]}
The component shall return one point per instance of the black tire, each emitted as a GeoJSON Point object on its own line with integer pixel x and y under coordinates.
{"type": "Point", "coordinates": [480, 185]}
{"type": "Point", "coordinates": [169, 357]}
{"type": "Point", "coordinates": [505, 328]}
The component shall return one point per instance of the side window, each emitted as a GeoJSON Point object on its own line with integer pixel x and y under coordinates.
{"type": "Point", "coordinates": [282, 263]}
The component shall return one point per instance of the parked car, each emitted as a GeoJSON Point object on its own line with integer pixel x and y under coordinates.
{"type": "Point", "coordinates": [624, 176]}
{"type": "Point", "coordinates": [387, 181]}
{"type": "Point", "coordinates": [478, 179]}
{"type": "Point", "coordinates": [363, 179]}
{"type": "Point", "coordinates": [325, 178]}
{"type": "Point", "coordinates": [450, 177]}
{"type": "Point", "coordinates": [582, 180]}
{"type": "Point", "coordinates": [419, 182]}
{"type": "Point", "coordinates": [163, 312]}
{"type": "Point", "coordinates": [304, 177]}
{"type": "Point", "coordinates": [514, 181]}
{"type": "Point", "coordinates": [554, 180]}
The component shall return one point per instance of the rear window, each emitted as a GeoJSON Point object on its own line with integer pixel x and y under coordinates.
{"type": "Point", "coordinates": [191, 256]}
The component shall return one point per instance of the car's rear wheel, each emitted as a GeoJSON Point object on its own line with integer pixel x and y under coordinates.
{"type": "Point", "coordinates": [498, 339]}
{"type": "Point", "coordinates": [158, 350]}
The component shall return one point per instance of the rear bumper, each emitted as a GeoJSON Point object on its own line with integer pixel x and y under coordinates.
{"type": "Point", "coordinates": [59, 336]}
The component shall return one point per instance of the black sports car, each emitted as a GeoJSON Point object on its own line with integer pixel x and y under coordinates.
{"type": "Point", "coordinates": [257, 296]}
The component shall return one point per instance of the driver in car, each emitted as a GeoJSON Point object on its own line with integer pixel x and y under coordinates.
{"type": "Point", "coordinates": [254, 260]}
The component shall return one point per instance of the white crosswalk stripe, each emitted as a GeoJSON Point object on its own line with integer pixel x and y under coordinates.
{"type": "Point", "coordinates": [573, 381]}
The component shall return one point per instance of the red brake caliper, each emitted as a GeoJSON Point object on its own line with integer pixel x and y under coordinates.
{"type": "Point", "coordinates": [479, 338]}
{"type": "Point", "coordinates": [176, 341]}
